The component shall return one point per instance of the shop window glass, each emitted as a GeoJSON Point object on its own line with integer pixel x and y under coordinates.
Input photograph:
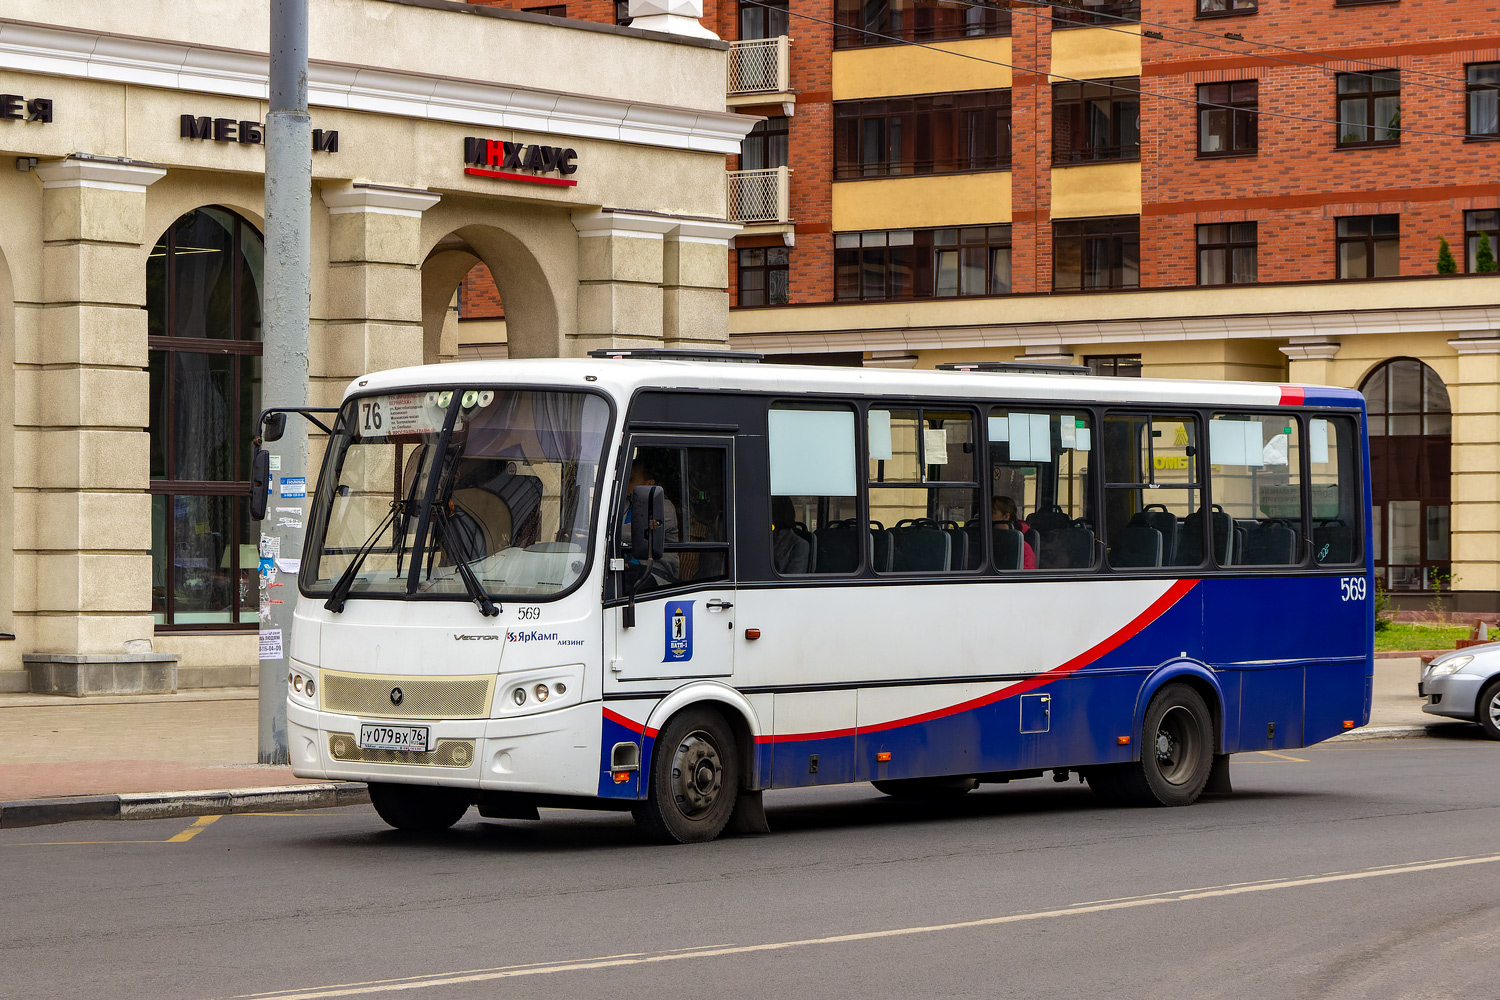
{"type": "Point", "coordinates": [203, 306]}
{"type": "Point", "coordinates": [1410, 425]}
{"type": "Point", "coordinates": [1369, 246]}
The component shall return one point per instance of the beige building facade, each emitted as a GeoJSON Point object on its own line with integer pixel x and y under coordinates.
{"type": "Point", "coordinates": [130, 266]}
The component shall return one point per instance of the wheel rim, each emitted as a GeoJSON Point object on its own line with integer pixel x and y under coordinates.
{"type": "Point", "coordinates": [1178, 745]}
{"type": "Point", "coordinates": [697, 774]}
{"type": "Point", "coordinates": [1494, 710]}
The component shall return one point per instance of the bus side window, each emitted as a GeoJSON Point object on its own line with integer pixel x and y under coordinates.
{"type": "Point", "coordinates": [1152, 514]}
{"type": "Point", "coordinates": [1255, 464]}
{"type": "Point", "coordinates": [1040, 514]}
{"type": "Point", "coordinates": [1335, 497]}
{"type": "Point", "coordinates": [814, 496]}
{"type": "Point", "coordinates": [924, 491]}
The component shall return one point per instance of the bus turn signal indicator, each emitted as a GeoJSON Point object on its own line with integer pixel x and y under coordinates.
{"type": "Point", "coordinates": [1124, 741]}
{"type": "Point", "coordinates": [884, 756]}
{"type": "Point", "coordinates": [621, 777]}
{"type": "Point", "coordinates": [752, 633]}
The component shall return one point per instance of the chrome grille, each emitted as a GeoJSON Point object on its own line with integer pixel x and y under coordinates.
{"type": "Point", "coordinates": [420, 698]}
{"type": "Point", "coordinates": [448, 753]}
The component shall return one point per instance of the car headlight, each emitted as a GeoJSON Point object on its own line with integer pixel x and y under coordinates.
{"type": "Point", "coordinates": [1447, 667]}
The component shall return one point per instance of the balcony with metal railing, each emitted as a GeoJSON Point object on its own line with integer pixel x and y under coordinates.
{"type": "Point", "coordinates": [760, 197]}
{"type": "Point", "coordinates": [760, 67]}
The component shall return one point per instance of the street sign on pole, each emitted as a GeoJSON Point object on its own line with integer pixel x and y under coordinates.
{"type": "Point", "coordinates": [286, 312]}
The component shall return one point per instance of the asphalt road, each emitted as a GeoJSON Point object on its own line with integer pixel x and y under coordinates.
{"type": "Point", "coordinates": [1364, 870]}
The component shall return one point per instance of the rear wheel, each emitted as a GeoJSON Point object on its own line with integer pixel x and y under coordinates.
{"type": "Point", "coordinates": [926, 788]}
{"type": "Point", "coordinates": [419, 808]}
{"type": "Point", "coordinates": [694, 779]}
{"type": "Point", "coordinates": [1176, 754]}
{"type": "Point", "coordinates": [1488, 711]}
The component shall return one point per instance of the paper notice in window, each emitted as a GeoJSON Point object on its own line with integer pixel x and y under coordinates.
{"type": "Point", "coordinates": [1065, 432]}
{"type": "Point", "coordinates": [935, 443]}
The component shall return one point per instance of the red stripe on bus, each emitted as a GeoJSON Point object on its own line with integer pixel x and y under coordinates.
{"type": "Point", "coordinates": [630, 724]}
{"type": "Point", "coordinates": [1159, 607]}
{"type": "Point", "coordinates": [1291, 395]}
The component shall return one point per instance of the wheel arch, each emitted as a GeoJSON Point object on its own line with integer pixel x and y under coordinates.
{"type": "Point", "coordinates": [733, 706]}
{"type": "Point", "coordinates": [1195, 675]}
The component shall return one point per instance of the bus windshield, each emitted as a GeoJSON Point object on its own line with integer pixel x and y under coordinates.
{"type": "Point", "coordinates": [441, 491]}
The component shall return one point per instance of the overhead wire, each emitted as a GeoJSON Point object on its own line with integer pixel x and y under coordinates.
{"type": "Point", "coordinates": [1017, 67]}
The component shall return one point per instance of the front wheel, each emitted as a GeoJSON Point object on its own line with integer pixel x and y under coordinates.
{"type": "Point", "coordinates": [1176, 754]}
{"type": "Point", "coordinates": [694, 779]}
{"type": "Point", "coordinates": [419, 808]}
{"type": "Point", "coordinates": [1487, 712]}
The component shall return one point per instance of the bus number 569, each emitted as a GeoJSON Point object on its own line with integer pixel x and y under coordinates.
{"type": "Point", "coordinates": [1352, 588]}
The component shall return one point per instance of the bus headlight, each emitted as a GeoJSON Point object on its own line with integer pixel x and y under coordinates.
{"type": "Point", "coordinates": [519, 696]}
{"type": "Point", "coordinates": [541, 691]}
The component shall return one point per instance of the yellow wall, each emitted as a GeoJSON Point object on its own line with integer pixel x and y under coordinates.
{"type": "Point", "coordinates": [1097, 53]}
{"type": "Point", "coordinates": [908, 69]}
{"type": "Point", "coordinates": [922, 202]}
{"type": "Point", "coordinates": [1096, 189]}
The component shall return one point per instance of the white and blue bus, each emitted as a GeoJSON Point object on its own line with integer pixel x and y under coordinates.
{"type": "Point", "coordinates": [667, 584]}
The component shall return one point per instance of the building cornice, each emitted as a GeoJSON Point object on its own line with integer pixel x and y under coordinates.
{"type": "Point", "coordinates": [56, 51]}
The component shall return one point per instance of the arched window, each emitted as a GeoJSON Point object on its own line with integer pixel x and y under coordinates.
{"type": "Point", "coordinates": [1410, 437]}
{"type": "Point", "coordinates": [203, 306]}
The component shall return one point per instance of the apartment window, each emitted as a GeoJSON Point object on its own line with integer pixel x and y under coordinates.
{"type": "Point", "coordinates": [1092, 254]}
{"type": "Point", "coordinates": [765, 276]}
{"type": "Point", "coordinates": [766, 145]}
{"type": "Point", "coordinates": [1475, 225]}
{"type": "Point", "coordinates": [1369, 246]}
{"type": "Point", "coordinates": [1096, 121]}
{"type": "Point", "coordinates": [622, 13]}
{"type": "Point", "coordinates": [864, 23]}
{"type": "Point", "coordinates": [922, 263]}
{"type": "Point", "coordinates": [1484, 101]}
{"type": "Point", "coordinates": [974, 260]}
{"type": "Point", "coordinates": [1370, 108]}
{"type": "Point", "coordinates": [1226, 8]}
{"type": "Point", "coordinates": [1227, 254]}
{"type": "Point", "coordinates": [1082, 13]}
{"type": "Point", "coordinates": [763, 20]}
{"type": "Point", "coordinates": [1228, 121]}
{"type": "Point", "coordinates": [1124, 365]}
{"type": "Point", "coordinates": [555, 10]}
{"type": "Point", "coordinates": [936, 134]}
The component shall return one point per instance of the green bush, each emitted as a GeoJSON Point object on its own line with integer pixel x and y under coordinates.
{"type": "Point", "coordinates": [1382, 606]}
{"type": "Point", "coordinates": [1484, 258]}
{"type": "Point", "coordinates": [1446, 263]}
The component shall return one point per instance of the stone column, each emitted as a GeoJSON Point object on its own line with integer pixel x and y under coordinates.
{"type": "Point", "coordinates": [1475, 482]}
{"type": "Point", "coordinates": [374, 300]}
{"type": "Point", "coordinates": [83, 524]}
{"type": "Point", "coordinates": [1310, 360]}
{"type": "Point", "coordinates": [695, 285]}
{"type": "Point", "coordinates": [621, 266]}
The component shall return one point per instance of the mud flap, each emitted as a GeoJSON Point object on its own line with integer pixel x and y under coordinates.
{"type": "Point", "coordinates": [1218, 777]}
{"type": "Point", "coordinates": [749, 815]}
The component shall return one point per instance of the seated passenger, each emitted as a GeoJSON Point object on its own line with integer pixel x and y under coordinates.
{"type": "Point", "coordinates": [665, 570]}
{"type": "Point", "coordinates": [789, 550]}
{"type": "Point", "coordinates": [1003, 515]}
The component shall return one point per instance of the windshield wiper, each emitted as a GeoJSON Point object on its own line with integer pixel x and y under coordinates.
{"type": "Point", "coordinates": [340, 593]}
{"type": "Point", "coordinates": [471, 582]}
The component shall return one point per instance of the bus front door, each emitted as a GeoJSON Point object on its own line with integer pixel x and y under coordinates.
{"type": "Point", "coordinates": [684, 603]}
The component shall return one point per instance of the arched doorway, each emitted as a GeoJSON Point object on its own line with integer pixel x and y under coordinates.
{"type": "Point", "coordinates": [203, 306]}
{"type": "Point", "coordinates": [1410, 442]}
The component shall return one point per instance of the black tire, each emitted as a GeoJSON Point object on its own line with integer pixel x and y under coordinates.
{"type": "Point", "coordinates": [1177, 753]}
{"type": "Point", "coordinates": [694, 779]}
{"type": "Point", "coordinates": [1487, 710]}
{"type": "Point", "coordinates": [419, 808]}
{"type": "Point", "coordinates": [926, 788]}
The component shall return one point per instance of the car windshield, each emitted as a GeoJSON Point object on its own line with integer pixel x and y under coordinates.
{"type": "Point", "coordinates": [417, 484]}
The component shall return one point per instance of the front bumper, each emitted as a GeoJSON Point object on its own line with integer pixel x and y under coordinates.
{"type": "Point", "coordinates": [554, 753]}
{"type": "Point", "coordinates": [1452, 695]}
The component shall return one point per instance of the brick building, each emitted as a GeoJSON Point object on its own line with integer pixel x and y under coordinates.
{"type": "Point", "coordinates": [1194, 188]}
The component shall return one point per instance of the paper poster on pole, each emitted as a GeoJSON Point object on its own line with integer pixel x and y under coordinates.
{"type": "Point", "coordinates": [270, 644]}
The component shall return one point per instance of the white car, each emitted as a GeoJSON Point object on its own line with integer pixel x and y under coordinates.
{"type": "Point", "coordinates": [1465, 684]}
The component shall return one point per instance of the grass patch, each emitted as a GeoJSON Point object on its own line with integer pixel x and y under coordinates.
{"type": "Point", "coordinates": [1411, 635]}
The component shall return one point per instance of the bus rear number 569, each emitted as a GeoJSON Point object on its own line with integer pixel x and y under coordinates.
{"type": "Point", "coordinates": [1352, 588]}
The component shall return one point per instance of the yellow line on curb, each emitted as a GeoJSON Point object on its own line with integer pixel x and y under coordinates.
{"type": "Point", "coordinates": [607, 962]}
{"type": "Point", "coordinates": [186, 835]}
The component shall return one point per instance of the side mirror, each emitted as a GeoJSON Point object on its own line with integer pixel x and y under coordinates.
{"type": "Point", "coordinates": [260, 482]}
{"type": "Point", "coordinates": [648, 534]}
{"type": "Point", "coordinates": [275, 426]}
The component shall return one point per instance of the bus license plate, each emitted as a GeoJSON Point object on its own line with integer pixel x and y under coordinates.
{"type": "Point", "coordinates": [376, 737]}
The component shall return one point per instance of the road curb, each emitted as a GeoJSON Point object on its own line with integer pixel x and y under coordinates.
{"type": "Point", "coordinates": [1378, 733]}
{"type": "Point", "coordinates": [166, 805]}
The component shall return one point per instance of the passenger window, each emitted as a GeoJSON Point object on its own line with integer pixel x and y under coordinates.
{"type": "Point", "coordinates": [814, 461]}
{"type": "Point", "coordinates": [1040, 512]}
{"type": "Point", "coordinates": [924, 497]}
{"type": "Point", "coordinates": [1255, 471]}
{"type": "Point", "coordinates": [1152, 515]}
{"type": "Point", "coordinates": [695, 514]}
{"type": "Point", "coordinates": [1336, 497]}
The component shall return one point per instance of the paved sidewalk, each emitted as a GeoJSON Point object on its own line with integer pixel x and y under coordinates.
{"type": "Point", "coordinates": [142, 751]}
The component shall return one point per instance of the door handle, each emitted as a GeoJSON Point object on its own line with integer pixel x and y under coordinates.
{"type": "Point", "coordinates": [718, 605]}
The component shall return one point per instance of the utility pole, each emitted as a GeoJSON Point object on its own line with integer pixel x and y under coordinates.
{"type": "Point", "coordinates": [286, 313]}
